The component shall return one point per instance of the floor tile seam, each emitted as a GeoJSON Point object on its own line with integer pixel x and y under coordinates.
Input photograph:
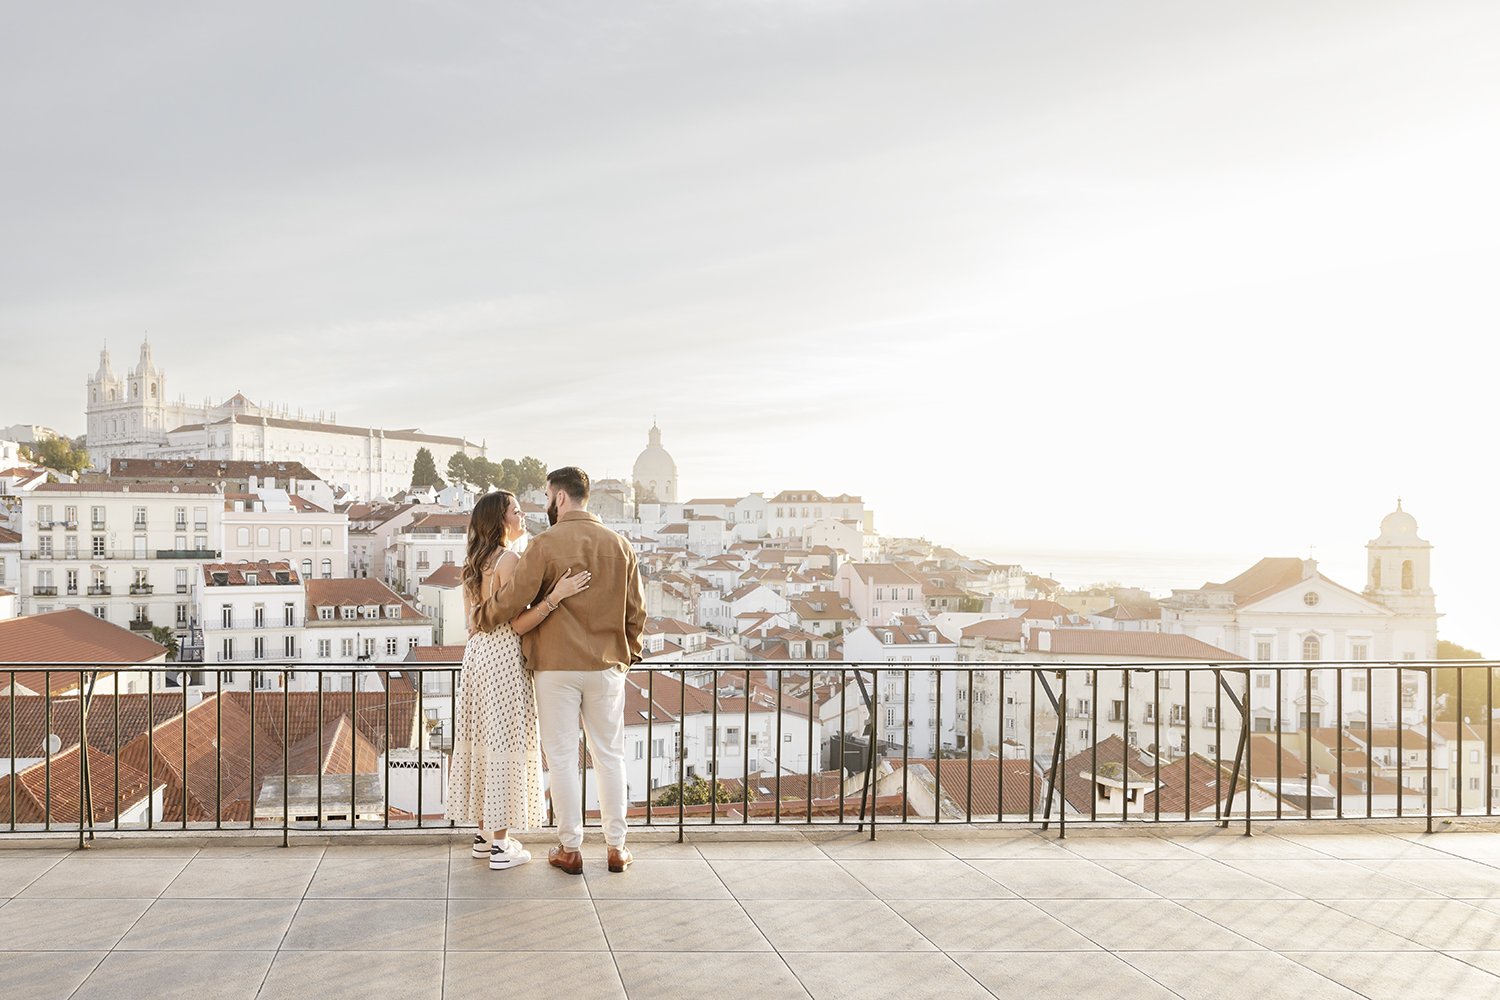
{"type": "Point", "coordinates": [1456, 957]}
{"type": "Point", "coordinates": [1290, 957]}
{"type": "Point", "coordinates": [1240, 873]}
{"type": "Point", "coordinates": [1119, 957]}
{"type": "Point", "coordinates": [1254, 945]}
{"type": "Point", "coordinates": [1324, 905]}
{"type": "Point", "coordinates": [1371, 923]}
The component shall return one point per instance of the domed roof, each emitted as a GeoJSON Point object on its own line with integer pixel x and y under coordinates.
{"type": "Point", "coordinates": [1398, 528]}
{"type": "Point", "coordinates": [656, 466]}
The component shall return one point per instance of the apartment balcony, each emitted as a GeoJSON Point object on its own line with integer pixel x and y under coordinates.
{"type": "Point", "coordinates": [794, 914]}
{"type": "Point", "coordinates": [204, 555]}
{"type": "Point", "coordinates": [139, 625]}
{"type": "Point", "coordinates": [44, 591]}
{"type": "Point", "coordinates": [139, 589]}
{"type": "Point", "coordinates": [100, 590]}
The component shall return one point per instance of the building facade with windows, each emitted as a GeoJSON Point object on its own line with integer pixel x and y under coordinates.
{"type": "Point", "coordinates": [129, 554]}
{"type": "Point", "coordinates": [250, 614]}
{"type": "Point", "coordinates": [1285, 610]}
{"type": "Point", "coordinates": [361, 623]}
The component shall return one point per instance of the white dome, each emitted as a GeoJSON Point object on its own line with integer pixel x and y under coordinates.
{"type": "Point", "coordinates": [1398, 528]}
{"type": "Point", "coordinates": [655, 472]}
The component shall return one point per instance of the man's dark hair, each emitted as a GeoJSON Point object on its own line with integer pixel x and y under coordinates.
{"type": "Point", "coordinates": [571, 480]}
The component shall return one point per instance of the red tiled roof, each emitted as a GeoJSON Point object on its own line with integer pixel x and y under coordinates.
{"type": "Point", "coordinates": [72, 636]}
{"type": "Point", "coordinates": [446, 575]}
{"type": "Point", "coordinates": [435, 654]}
{"type": "Point", "coordinates": [356, 593]}
{"type": "Point", "coordinates": [995, 628]}
{"type": "Point", "coordinates": [1107, 642]}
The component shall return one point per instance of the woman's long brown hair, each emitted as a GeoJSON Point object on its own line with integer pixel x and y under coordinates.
{"type": "Point", "coordinates": [486, 537]}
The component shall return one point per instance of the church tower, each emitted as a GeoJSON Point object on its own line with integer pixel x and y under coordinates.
{"type": "Point", "coordinates": [1400, 565]}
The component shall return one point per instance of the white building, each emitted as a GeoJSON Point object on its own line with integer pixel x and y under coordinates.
{"type": "Point", "coordinates": [130, 416]}
{"type": "Point", "coordinates": [1284, 609]}
{"type": "Point", "coordinates": [792, 513]}
{"type": "Point", "coordinates": [934, 722]}
{"type": "Point", "coordinates": [272, 523]}
{"type": "Point", "coordinates": [880, 591]}
{"type": "Point", "coordinates": [250, 613]}
{"type": "Point", "coordinates": [441, 598]}
{"type": "Point", "coordinates": [130, 554]}
{"type": "Point", "coordinates": [430, 541]}
{"type": "Point", "coordinates": [360, 623]}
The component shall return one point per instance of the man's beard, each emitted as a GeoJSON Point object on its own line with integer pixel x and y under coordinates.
{"type": "Point", "coordinates": [552, 512]}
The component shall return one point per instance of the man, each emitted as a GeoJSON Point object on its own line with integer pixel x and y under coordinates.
{"type": "Point", "coordinates": [579, 655]}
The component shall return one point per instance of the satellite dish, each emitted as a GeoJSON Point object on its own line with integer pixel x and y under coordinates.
{"type": "Point", "coordinates": [54, 744]}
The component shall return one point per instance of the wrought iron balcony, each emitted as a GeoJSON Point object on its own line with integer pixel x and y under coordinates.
{"type": "Point", "coordinates": [141, 588]}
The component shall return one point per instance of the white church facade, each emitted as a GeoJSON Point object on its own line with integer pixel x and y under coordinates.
{"type": "Point", "coordinates": [131, 416]}
{"type": "Point", "coordinates": [1283, 610]}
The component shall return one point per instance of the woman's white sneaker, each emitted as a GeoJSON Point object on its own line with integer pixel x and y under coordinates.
{"type": "Point", "coordinates": [481, 848]}
{"type": "Point", "coordinates": [508, 855]}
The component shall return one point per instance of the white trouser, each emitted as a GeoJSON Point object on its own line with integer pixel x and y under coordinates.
{"type": "Point", "coordinates": [599, 697]}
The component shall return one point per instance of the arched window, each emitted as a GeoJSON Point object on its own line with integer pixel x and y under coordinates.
{"type": "Point", "coordinates": [328, 569]}
{"type": "Point", "coordinates": [1407, 575]}
{"type": "Point", "coordinates": [111, 395]}
{"type": "Point", "coordinates": [1375, 575]}
{"type": "Point", "coordinates": [307, 569]}
{"type": "Point", "coordinates": [1312, 648]}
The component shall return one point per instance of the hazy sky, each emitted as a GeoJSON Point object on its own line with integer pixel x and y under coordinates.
{"type": "Point", "coordinates": [1100, 277]}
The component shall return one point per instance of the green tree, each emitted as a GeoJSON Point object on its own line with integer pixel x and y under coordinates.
{"type": "Point", "coordinates": [531, 474]}
{"type": "Point", "coordinates": [62, 455]}
{"type": "Point", "coordinates": [695, 792]}
{"type": "Point", "coordinates": [486, 473]}
{"type": "Point", "coordinates": [424, 471]}
{"type": "Point", "coordinates": [163, 636]}
{"type": "Point", "coordinates": [459, 470]}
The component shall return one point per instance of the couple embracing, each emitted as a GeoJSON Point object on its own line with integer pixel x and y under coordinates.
{"type": "Point", "coordinates": [551, 634]}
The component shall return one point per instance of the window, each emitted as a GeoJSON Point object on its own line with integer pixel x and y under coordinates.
{"type": "Point", "coordinates": [306, 569]}
{"type": "Point", "coordinates": [139, 517]}
{"type": "Point", "coordinates": [1312, 648]}
{"type": "Point", "coordinates": [263, 537]}
{"type": "Point", "coordinates": [260, 647]}
{"type": "Point", "coordinates": [1375, 575]}
{"type": "Point", "coordinates": [325, 648]}
{"type": "Point", "coordinates": [1359, 649]}
{"type": "Point", "coordinates": [200, 542]}
{"type": "Point", "coordinates": [289, 646]}
{"type": "Point", "coordinates": [413, 642]}
{"type": "Point", "coordinates": [242, 537]}
{"type": "Point", "coordinates": [289, 614]}
{"type": "Point", "coordinates": [182, 615]}
{"type": "Point", "coordinates": [227, 653]}
{"type": "Point", "coordinates": [96, 517]}
{"type": "Point", "coordinates": [98, 546]}
{"type": "Point", "coordinates": [369, 652]}
{"type": "Point", "coordinates": [1262, 681]}
{"type": "Point", "coordinates": [640, 749]}
{"type": "Point", "coordinates": [260, 616]}
{"type": "Point", "coordinates": [1311, 598]}
{"type": "Point", "coordinates": [732, 740]}
{"type": "Point", "coordinates": [1263, 649]}
{"type": "Point", "coordinates": [307, 536]}
{"type": "Point", "coordinates": [346, 648]}
{"type": "Point", "coordinates": [182, 581]}
{"type": "Point", "coordinates": [70, 516]}
{"type": "Point", "coordinates": [284, 540]}
{"type": "Point", "coordinates": [326, 536]}
{"type": "Point", "coordinates": [328, 569]}
{"type": "Point", "coordinates": [325, 614]}
{"type": "Point", "coordinates": [44, 547]}
{"type": "Point", "coordinates": [101, 612]}
{"type": "Point", "coordinates": [658, 747]}
{"type": "Point", "coordinates": [226, 616]}
{"type": "Point", "coordinates": [1407, 574]}
{"type": "Point", "coordinates": [200, 518]}
{"type": "Point", "coordinates": [1359, 684]}
{"type": "Point", "coordinates": [44, 515]}
{"type": "Point", "coordinates": [391, 647]}
{"type": "Point", "coordinates": [349, 613]}
{"type": "Point", "coordinates": [1473, 784]}
{"type": "Point", "coordinates": [179, 518]}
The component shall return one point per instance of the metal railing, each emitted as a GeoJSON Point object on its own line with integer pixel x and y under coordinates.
{"type": "Point", "coordinates": [316, 747]}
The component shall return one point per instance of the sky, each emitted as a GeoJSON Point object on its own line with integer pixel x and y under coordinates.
{"type": "Point", "coordinates": [1117, 281]}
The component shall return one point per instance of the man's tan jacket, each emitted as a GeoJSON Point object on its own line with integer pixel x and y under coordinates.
{"type": "Point", "coordinates": [595, 630]}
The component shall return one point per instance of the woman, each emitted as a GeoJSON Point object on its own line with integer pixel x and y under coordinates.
{"type": "Point", "coordinates": [496, 774]}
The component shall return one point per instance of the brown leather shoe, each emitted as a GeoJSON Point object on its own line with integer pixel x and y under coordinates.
{"type": "Point", "coordinates": [620, 859]}
{"type": "Point", "coordinates": [569, 861]}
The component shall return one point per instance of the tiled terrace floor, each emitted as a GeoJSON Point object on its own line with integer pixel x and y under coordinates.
{"type": "Point", "coordinates": [967, 914]}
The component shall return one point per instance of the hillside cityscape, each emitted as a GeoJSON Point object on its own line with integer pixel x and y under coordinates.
{"type": "Point", "coordinates": [249, 549]}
